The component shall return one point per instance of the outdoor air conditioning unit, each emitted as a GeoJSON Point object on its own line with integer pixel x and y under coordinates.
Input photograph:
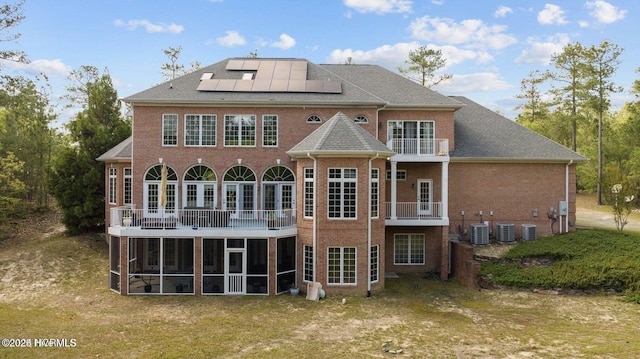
{"type": "Point", "coordinates": [505, 232]}
{"type": "Point", "coordinates": [528, 232]}
{"type": "Point", "coordinates": [480, 233]}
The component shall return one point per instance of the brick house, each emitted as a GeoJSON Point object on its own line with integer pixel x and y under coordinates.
{"type": "Point", "coordinates": [253, 175]}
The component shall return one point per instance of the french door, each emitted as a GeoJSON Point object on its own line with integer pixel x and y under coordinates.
{"type": "Point", "coordinates": [425, 197]}
{"type": "Point", "coordinates": [278, 196]}
{"type": "Point", "coordinates": [239, 199]}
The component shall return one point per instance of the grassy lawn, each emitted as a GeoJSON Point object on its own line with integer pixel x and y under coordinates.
{"type": "Point", "coordinates": [56, 287]}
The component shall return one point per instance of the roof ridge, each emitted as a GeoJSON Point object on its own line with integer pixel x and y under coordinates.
{"type": "Point", "coordinates": [354, 85]}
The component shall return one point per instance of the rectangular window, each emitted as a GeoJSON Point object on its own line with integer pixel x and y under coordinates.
{"type": "Point", "coordinates": [270, 131]}
{"type": "Point", "coordinates": [113, 183]}
{"type": "Point", "coordinates": [373, 270]}
{"type": "Point", "coordinates": [341, 266]}
{"type": "Point", "coordinates": [200, 130]}
{"type": "Point", "coordinates": [401, 175]}
{"type": "Point", "coordinates": [308, 263]}
{"type": "Point", "coordinates": [169, 130]}
{"type": "Point", "coordinates": [240, 130]}
{"type": "Point", "coordinates": [408, 249]}
{"type": "Point", "coordinates": [375, 193]}
{"type": "Point", "coordinates": [308, 192]}
{"type": "Point", "coordinates": [342, 189]}
{"type": "Point", "coordinates": [127, 190]}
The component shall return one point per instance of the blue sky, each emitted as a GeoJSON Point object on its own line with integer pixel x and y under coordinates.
{"type": "Point", "coordinates": [490, 45]}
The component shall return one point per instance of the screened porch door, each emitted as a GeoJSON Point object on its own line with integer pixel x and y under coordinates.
{"type": "Point", "coordinates": [235, 272]}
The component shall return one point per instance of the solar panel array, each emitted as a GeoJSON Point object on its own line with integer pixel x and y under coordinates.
{"type": "Point", "coordinates": [268, 76]}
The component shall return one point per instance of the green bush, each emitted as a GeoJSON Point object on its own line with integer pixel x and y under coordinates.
{"type": "Point", "coordinates": [584, 260]}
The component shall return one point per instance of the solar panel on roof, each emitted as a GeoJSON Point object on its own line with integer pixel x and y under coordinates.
{"type": "Point", "coordinates": [269, 76]}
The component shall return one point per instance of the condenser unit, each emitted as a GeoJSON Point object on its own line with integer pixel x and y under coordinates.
{"type": "Point", "coordinates": [480, 233]}
{"type": "Point", "coordinates": [505, 232]}
{"type": "Point", "coordinates": [528, 232]}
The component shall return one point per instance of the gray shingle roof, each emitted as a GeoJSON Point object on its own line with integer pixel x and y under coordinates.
{"type": "Point", "coordinates": [482, 134]}
{"type": "Point", "coordinates": [340, 136]}
{"type": "Point", "coordinates": [120, 152]}
{"type": "Point", "coordinates": [361, 85]}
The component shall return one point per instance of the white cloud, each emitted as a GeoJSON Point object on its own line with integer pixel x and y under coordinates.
{"type": "Point", "coordinates": [471, 33]}
{"type": "Point", "coordinates": [604, 12]}
{"type": "Point", "coordinates": [379, 6]}
{"type": "Point", "coordinates": [392, 56]}
{"type": "Point", "coordinates": [583, 23]}
{"type": "Point", "coordinates": [232, 38]}
{"type": "Point", "coordinates": [552, 15]}
{"type": "Point", "coordinates": [286, 42]}
{"type": "Point", "coordinates": [149, 26]}
{"type": "Point", "coordinates": [437, 2]}
{"type": "Point", "coordinates": [478, 82]}
{"type": "Point", "coordinates": [50, 68]}
{"type": "Point", "coordinates": [539, 52]}
{"type": "Point", "coordinates": [502, 11]}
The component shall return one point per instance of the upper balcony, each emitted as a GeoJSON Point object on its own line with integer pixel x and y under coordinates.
{"type": "Point", "coordinates": [415, 214]}
{"type": "Point", "coordinates": [420, 149]}
{"type": "Point", "coordinates": [202, 222]}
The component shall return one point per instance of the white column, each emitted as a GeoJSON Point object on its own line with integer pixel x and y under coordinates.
{"type": "Point", "coordinates": [445, 190]}
{"type": "Point", "coordinates": [394, 187]}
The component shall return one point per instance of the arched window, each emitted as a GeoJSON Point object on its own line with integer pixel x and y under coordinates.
{"type": "Point", "coordinates": [239, 191]}
{"type": "Point", "coordinates": [153, 191]}
{"type": "Point", "coordinates": [278, 189]}
{"type": "Point", "coordinates": [199, 188]}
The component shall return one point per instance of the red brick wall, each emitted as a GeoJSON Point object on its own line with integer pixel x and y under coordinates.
{"type": "Point", "coordinates": [464, 267]}
{"type": "Point", "coordinates": [512, 191]}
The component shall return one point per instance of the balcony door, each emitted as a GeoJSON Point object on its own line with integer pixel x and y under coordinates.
{"type": "Point", "coordinates": [412, 137]}
{"type": "Point", "coordinates": [240, 192]}
{"type": "Point", "coordinates": [425, 197]}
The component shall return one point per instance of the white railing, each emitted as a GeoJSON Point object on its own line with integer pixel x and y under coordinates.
{"type": "Point", "coordinates": [419, 146]}
{"type": "Point", "coordinates": [203, 218]}
{"type": "Point", "coordinates": [415, 210]}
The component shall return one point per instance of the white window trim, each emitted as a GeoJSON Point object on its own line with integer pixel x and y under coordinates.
{"type": "Point", "coordinates": [377, 263]}
{"type": "Point", "coordinates": [240, 116]}
{"type": "Point", "coordinates": [342, 180]}
{"type": "Point", "coordinates": [398, 177]}
{"type": "Point", "coordinates": [113, 186]}
{"type": "Point", "coordinates": [424, 249]}
{"type": "Point", "coordinates": [165, 117]}
{"type": "Point", "coordinates": [304, 193]}
{"type": "Point", "coordinates": [355, 278]}
{"type": "Point", "coordinates": [307, 273]}
{"type": "Point", "coordinates": [215, 128]}
{"type": "Point", "coordinates": [124, 185]}
{"type": "Point", "coordinates": [277, 130]}
{"type": "Point", "coordinates": [375, 180]}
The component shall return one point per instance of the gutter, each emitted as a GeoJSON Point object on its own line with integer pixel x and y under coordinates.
{"type": "Point", "coordinates": [315, 204]}
{"type": "Point", "coordinates": [369, 226]}
{"type": "Point", "coordinates": [566, 196]}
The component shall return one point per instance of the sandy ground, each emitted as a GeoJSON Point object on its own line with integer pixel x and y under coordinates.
{"type": "Point", "coordinates": [588, 218]}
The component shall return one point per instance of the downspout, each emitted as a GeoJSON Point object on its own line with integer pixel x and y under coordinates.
{"type": "Point", "coordinates": [369, 226]}
{"type": "Point", "coordinates": [315, 204]}
{"type": "Point", "coordinates": [378, 122]}
{"type": "Point", "coordinates": [566, 196]}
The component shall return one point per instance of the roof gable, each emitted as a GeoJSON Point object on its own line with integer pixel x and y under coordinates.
{"type": "Point", "coordinates": [340, 136]}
